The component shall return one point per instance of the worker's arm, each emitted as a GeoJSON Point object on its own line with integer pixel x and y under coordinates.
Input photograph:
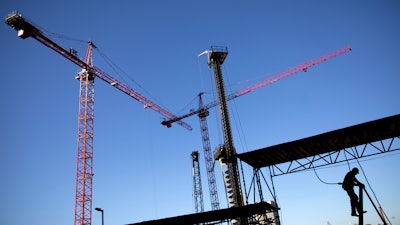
{"type": "Point", "coordinates": [358, 183]}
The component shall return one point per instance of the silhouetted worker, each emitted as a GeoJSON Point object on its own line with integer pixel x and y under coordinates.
{"type": "Point", "coordinates": [349, 182]}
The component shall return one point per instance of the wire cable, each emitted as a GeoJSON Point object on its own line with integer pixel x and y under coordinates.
{"type": "Point", "coordinates": [117, 68]}
{"type": "Point", "coordinates": [64, 37]}
{"type": "Point", "coordinates": [319, 178]}
{"type": "Point", "coordinates": [370, 187]}
{"type": "Point", "coordinates": [347, 160]}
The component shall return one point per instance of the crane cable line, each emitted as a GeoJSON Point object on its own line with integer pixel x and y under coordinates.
{"type": "Point", "coordinates": [339, 183]}
{"type": "Point", "coordinates": [373, 192]}
{"type": "Point", "coordinates": [61, 36]}
{"type": "Point", "coordinates": [53, 34]}
{"type": "Point", "coordinates": [108, 61]}
{"type": "Point", "coordinates": [115, 68]}
{"type": "Point", "coordinates": [240, 132]}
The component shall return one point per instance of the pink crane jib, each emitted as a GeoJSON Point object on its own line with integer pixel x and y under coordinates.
{"type": "Point", "coordinates": [291, 71]}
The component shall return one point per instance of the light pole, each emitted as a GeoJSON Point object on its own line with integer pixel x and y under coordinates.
{"type": "Point", "coordinates": [102, 215]}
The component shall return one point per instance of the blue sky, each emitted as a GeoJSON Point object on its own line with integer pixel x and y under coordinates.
{"type": "Point", "coordinates": [142, 169]}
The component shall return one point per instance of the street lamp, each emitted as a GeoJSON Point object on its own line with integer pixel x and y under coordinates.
{"type": "Point", "coordinates": [102, 214]}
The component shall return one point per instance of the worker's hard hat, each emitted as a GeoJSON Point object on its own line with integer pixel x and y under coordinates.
{"type": "Point", "coordinates": [355, 170]}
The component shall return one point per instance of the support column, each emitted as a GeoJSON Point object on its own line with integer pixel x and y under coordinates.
{"type": "Point", "coordinates": [360, 206]}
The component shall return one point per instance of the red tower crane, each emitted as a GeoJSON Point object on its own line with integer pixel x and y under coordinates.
{"type": "Point", "coordinates": [291, 71]}
{"type": "Point", "coordinates": [84, 165]}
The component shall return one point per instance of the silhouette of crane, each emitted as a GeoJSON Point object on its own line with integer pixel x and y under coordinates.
{"type": "Point", "coordinates": [84, 165]}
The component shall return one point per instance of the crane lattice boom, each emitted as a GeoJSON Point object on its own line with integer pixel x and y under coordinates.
{"type": "Point", "coordinates": [26, 29]}
{"type": "Point", "coordinates": [263, 83]}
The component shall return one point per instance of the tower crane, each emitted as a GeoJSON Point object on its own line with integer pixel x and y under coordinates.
{"type": "Point", "coordinates": [203, 112]}
{"type": "Point", "coordinates": [208, 156]}
{"type": "Point", "coordinates": [291, 71]}
{"type": "Point", "coordinates": [227, 153]}
{"type": "Point", "coordinates": [197, 188]}
{"type": "Point", "coordinates": [84, 165]}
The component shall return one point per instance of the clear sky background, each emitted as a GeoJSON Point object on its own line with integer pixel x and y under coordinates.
{"type": "Point", "coordinates": [142, 169]}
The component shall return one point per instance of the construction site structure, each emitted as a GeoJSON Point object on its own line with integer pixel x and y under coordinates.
{"type": "Point", "coordinates": [84, 164]}
{"type": "Point", "coordinates": [197, 187]}
{"type": "Point", "coordinates": [208, 156]}
{"type": "Point", "coordinates": [203, 113]}
{"type": "Point", "coordinates": [226, 154]}
{"type": "Point", "coordinates": [333, 147]}
{"type": "Point", "coordinates": [273, 216]}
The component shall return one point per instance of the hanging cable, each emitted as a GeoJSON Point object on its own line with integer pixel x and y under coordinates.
{"type": "Point", "coordinates": [347, 161]}
{"type": "Point", "coordinates": [216, 112]}
{"type": "Point", "coordinates": [187, 105]}
{"type": "Point", "coordinates": [365, 177]}
{"type": "Point", "coordinates": [316, 174]}
{"type": "Point", "coordinates": [202, 85]}
{"type": "Point", "coordinates": [64, 37]}
{"type": "Point", "coordinates": [116, 68]}
{"type": "Point", "coordinates": [236, 117]}
{"type": "Point", "coordinates": [49, 33]}
{"type": "Point", "coordinates": [370, 187]}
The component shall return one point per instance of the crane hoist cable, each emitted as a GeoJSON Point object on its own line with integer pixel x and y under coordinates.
{"type": "Point", "coordinates": [106, 59]}
{"type": "Point", "coordinates": [117, 68]}
{"type": "Point", "coordinates": [65, 37]}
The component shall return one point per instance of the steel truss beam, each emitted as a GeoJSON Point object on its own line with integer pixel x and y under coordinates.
{"type": "Point", "coordinates": [254, 193]}
{"type": "Point", "coordinates": [347, 154]}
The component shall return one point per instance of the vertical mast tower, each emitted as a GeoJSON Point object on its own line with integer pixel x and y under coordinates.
{"type": "Point", "coordinates": [212, 184]}
{"type": "Point", "coordinates": [226, 154]}
{"type": "Point", "coordinates": [84, 162]}
{"type": "Point", "coordinates": [197, 189]}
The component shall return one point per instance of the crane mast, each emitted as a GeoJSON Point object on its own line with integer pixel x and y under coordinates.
{"type": "Point", "coordinates": [226, 154]}
{"type": "Point", "coordinates": [84, 164]}
{"type": "Point", "coordinates": [197, 188]}
{"type": "Point", "coordinates": [209, 159]}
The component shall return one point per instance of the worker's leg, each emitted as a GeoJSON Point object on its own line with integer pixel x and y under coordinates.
{"type": "Point", "coordinates": [354, 202]}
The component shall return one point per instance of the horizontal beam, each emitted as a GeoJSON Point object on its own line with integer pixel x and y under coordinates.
{"type": "Point", "coordinates": [325, 143]}
{"type": "Point", "coordinates": [216, 215]}
{"type": "Point", "coordinates": [330, 158]}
